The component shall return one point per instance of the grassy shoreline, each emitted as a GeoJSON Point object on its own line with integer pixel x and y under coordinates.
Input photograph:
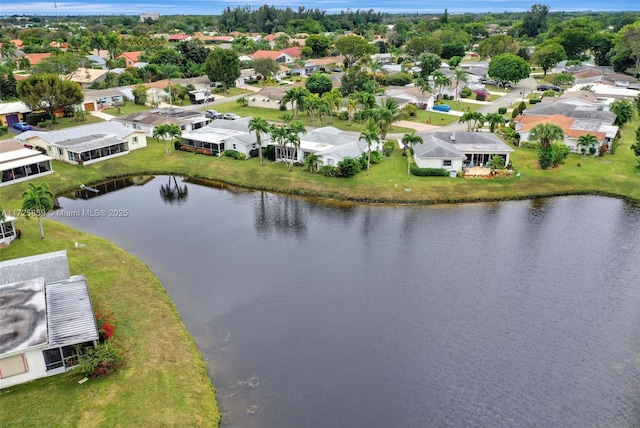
{"type": "Point", "coordinates": [164, 382]}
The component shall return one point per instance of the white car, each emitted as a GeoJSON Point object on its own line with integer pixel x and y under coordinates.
{"type": "Point", "coordinates": [230, 116]}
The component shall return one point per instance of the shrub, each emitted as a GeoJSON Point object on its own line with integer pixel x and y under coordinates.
{"type": "Point", "coordinates": [502, 110]}
{"type": "Point", "coordinates": [522, 106]}
{"type": "Point", "coordinates": [530, 145]}
{"type": "Point", "coordinates": [549, 93]}
{"type": "Point", "coordinates": [428, 172]}
{"type": "Point", "coordinates": [176, 145]}
{"type": "Point", "coordinates": [515, 112]}
{"type": "Point", "coordinates": [283, 107]}
{"type": "Point", "coordinates": [34, 118]}
{"type": "Point", "coordinates": [189, 149]}
{"type": "Point", "coordinates": [106, 323]}
{"type": "Point", "coordinates": [480, 95]}
{"type": "Point", "coordinates": [545, 157]}
{"type": "Point", "coordinates": [388, 148]}
{"type": "Point", "coordinates": [399, 79]}
{"type": "Point", "coordinates": [343, 115]}
{"type": "Point", "coordinates": [328, 171]}
{"type": "Point", "coordinates": [560, 153]}
{"type": "Point", "coordinates": [533, 101]}
{"type": "Point", "coordinates": [234, 154]}
{"type": "Point", "coordinates": [348, 167]}
{"type": "Point", "coordinates": [100, 362]}
{"type": "Point", "coordinates": [466, 92]}
{"type": "Point", "coordinates": [269, 153]}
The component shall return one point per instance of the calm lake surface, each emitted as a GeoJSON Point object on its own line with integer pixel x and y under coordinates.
{"type": "Point", "coordinates": [316, 314]}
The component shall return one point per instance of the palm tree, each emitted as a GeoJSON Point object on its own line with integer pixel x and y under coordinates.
{"type": "Point", "coordinates": [467, 118]}
{"type": "Point", "coordinates": [408, 141]}
{"type": "Point", "coordinates": [98, 42]}
{"type": "Point", "coordinates": [441, 80]}
{"type": "Point", "coordinates": [367, 99]}
{"type": "Point", "coordinates": [259, 126]}
{"type": "Point", "coordinates": [370, 134]}
{"type": "Point", "coordinates": [461, 76]}
{"type": "Point", "coordinates": [311, 162]}
{"type": "Point", "coordinates": [424, 87]}
{"type": "Point", "coordinates": [494, 119]}
{"type": "Point", "coordinates": [279, 135]}
{"type": "Point", "coordinates": [334, 98]}
{"type": "Point", "coordinates": [623, 110]}
{"type": "Point", "coordinates": [387, 115]}
{"type": "Point", "coordinates": [546, 133]}
{"type": "Point", "coordinates": [587, 143]}
{"type": "Point", "coordinates": [112, 43]}
{"type": "Point", "coordinates": [167, 71]}
{"type": "Point", "coordinates": [167, 132]}
{"type": "Point", "coordinates": [352, 108]}
{"type": "Point", "coordinates": [296, 96]}
{"type": "Point", "coordinates": [37, 200]}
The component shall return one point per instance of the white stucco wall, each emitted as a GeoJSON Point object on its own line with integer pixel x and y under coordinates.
{"type": "Point", "coordinates": [36, 369]}
{"type": "Point", "coordinates": [456, 164]}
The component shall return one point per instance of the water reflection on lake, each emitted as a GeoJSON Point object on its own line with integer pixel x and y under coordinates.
{"type": "Point", "coordinates": [316, 314]}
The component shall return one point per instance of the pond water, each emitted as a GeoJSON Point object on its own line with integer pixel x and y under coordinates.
{"type": "Point", "coordinates": [318, 314]}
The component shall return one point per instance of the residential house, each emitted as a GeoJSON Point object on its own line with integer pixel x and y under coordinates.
{"type": "Point", "coordinates": [222, 39]}
{"type": "Point", "coordinates": [98, 99]}
{"type": "Point", "coordinates": [14, 112]}
{"type": "Point", "coordinates": [454, 151]}
{"type": "Point", "coordinates": [48, 314]}
{"type": "Point", "coordinates": [411, 95]}
{"type": "Point", "coordinates": [130, 58]}
{"type": "Point", "coordinates": [572, 128]}
{"type": "Point", "coordinates": [36, 58]}
{"type": "Point", "coordinates": [280, 57]}
{"type": "Point", "coordinates": [383, 58]}
{"type": "Point", "coordinates": [271, 38]}
{"type": "Point", "coordinates": [8, 231]}
{"type": "Point", "coordinates": [97, 62]}
{"type": "Point", "coordinates": [19, 163]}
{"type": "Point", "coordinates": [586, 99]}
{"type": "Point", "coordinates": [221, 135]}
{"type": "Point", "coordinates": [88, 143]}
{"type": "Point", "coordinates": [294, 52]}
{"type": "Point", "coordinates": [179, 38]}
{"type": "Point", "coordinates": [146, 121]}
{"type": "Point", "coordinates": [607, 91]}
{"type": "Point", "coordinates": [570, 109]}
{"type": "Point", "coordinates": [330, 144]}
{"type": "Point", "coordinates": [317, 64]}
{"type": "Point", "coordinates": [87, 76]}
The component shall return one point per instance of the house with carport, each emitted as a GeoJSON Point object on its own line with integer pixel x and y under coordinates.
{"type": "Point", "coordinates": [88, 143]}
{"type": "Point", "coordinates": [48, 318]}
{"type": "Point", "coordinates": [20, 163]}
{"type": "Point", "coordinates": [454, 151]}
{"type": "Point", "coordinates": [221, 135]}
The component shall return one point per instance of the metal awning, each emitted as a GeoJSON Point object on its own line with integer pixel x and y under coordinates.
{"type": "Point", "coordinates": [5, 166]}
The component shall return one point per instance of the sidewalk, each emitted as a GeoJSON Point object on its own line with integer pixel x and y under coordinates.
{"type": "Point", "coordinates": [101, 115]}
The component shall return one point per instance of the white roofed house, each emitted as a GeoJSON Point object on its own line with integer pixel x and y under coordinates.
{"type": "Point", "coordinates": [455, 151]}
{"type": "Point", "coordinates": [19, 163]}
{"type": "Point", "coordinates": [86, 144]}
{"type": "Point", "coordinates": [47, 318]}
{"type": "Point", "coordinates": [146, 121]}
{"type": "Point", "coordinates": [221, 135]}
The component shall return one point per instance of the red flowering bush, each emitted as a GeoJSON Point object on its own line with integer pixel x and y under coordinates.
{"type": "Point", "coordinates": [100, 362]}
{"type": "Point", "coordinates": [106, 325]}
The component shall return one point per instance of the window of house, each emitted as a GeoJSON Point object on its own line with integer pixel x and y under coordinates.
{"type": "Point", "coordinates": [135, 140]}
{"type": "Point", "coordinates": [13, 366]}
{"type": "Point", "coordinates": [330, 162]}
{"type": "Point", "coordinates": [446, 162]}
{"type": "Point", "coordinates": [59, 151]}
{"type": "Point", "coordinates": [234, 147]}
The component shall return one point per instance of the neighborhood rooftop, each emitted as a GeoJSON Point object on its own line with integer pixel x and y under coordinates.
{"type": "Point", "coordinates": [22, 311]}
{"type": "Point", "coordinates": [51, 266]}
{"type": "Point", "coordinates": [57, 137]}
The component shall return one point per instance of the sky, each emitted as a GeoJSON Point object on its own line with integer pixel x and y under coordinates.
{"type": "Point", "coordinates": [207, 7]}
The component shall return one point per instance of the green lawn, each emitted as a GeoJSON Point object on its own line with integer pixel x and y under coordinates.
{"type": "Point", "coordinates": [128, 108]}
{"type": "Point", "coordinates": [461, 105]}
{"type": "Point", "coordinates": [69, 122]}
{"type": "Point", "coordinates": [434, 117]}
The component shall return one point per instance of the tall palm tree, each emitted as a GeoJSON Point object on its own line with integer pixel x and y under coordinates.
{"type": "Point", "coordinates": [98, 42]}
{"type": "Point", "coordinates": [495, 120]}
{"type": "Point", "coordinates": [295, 96]}
{"type": "Point", "coordinates": [112, 43]}
{"type": "Point", "coordinates": [279, 135]}
{"type": "Point", "coordinates": [167, 132]}
{"type": "Point", "coordinates": [408, 141]}
{"type": "Point", "coordinates": [259, 126]}
{"type": "Point", "coordinates": [389, 113]}
{"type": "Point", "coordinates": [334, 98]}
{"type": "Point", "coordinates": [424, 87]}
{"type": "Point", "coordinates": [367, 99]}
{"type": "Point", "coordinates": [370, 134]}
{"type": "Point", "coordinates": [441, 80]}
{"type": "Point", "coordinates": [546, 133]}
{"type": "Point", "coordinates": [37, 200]}
{"type": "Point", "coordinates": [587, 143]}
{"type": "Point", "coordinates": [461, 76]}
{"type": "Point", "coordinates": [352, 108]}
{"type": "Point", "coordinates": [169, 71]}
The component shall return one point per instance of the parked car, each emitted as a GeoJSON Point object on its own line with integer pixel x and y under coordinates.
{"type": "Point", "coordinates": [488, 81]}
{"type": "Point", "coordinates": [442, 107]}
{"type": "Point", "coordinates": [22, 126]}
{"type": "Point", "coordinates": [213, 114]}
{"type": "Point", "coordinates": [230, 116]}
{"type": "Point", "coordinates": [543, 88]}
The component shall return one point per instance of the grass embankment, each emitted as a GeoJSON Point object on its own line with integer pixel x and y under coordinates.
{"type": "Point", "coordinates": [128, 108]}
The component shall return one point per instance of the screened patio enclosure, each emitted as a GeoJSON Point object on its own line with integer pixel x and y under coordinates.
{"type": "Point", "coordinates": [94, 147]}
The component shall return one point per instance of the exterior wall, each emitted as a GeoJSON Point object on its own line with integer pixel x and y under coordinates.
{"type": "Point", "coordinates": [19, 180]}
{"type": "Point", "coordinates": [36, 368]}
{"type": "Point", "coordinates": [239, 147]}
{"type": "Point", "coordinates": [456, 164]}
{"type": "Point", "coordinates": [3, 118]}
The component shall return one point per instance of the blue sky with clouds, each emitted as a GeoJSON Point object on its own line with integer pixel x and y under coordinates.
{"type": "Point", "coordinates": [203, 7]}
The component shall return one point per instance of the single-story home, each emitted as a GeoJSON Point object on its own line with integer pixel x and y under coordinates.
{"type": "Point", "coordinates": [330, 144]}
{"type": "Point", "coordinates": [411, 95]}
{"type": "Point", "coordinates": [146, 121]}
{"type": "Point", "coordinates": [585, 99]}
{"type": "Point", "coordinates": [49, 315]}
{"type": "Point", "coordinates": [278, 56]}
{"type": "Point", "coordinates": [14, 112]}
{"type": "Point", "coordinates": [88, 143]}
{"type": "Point", "coordinates": [19, 163]}
{"type": "Point", "coordinates": [98, 99]}
{"type": "Point", "coordinates": [7, 230]}
{"type": "Point", "coordinates": [221, 135]}
{"type": "Point", "coordinates": [573, 129]}
{"type": "Point", "coordinates": [568, 108]}
{"type": "Point", "coordinates": [130, 58]}
{"type": "Point", "coordinates": [454, 151]}
{"type": "Point", "coordinates": [86, 76]}
{"type": "Point", "coordinates": [179, 38]}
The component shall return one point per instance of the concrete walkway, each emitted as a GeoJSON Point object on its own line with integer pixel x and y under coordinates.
{"type": "Point", "coordinates": [101, 115]}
